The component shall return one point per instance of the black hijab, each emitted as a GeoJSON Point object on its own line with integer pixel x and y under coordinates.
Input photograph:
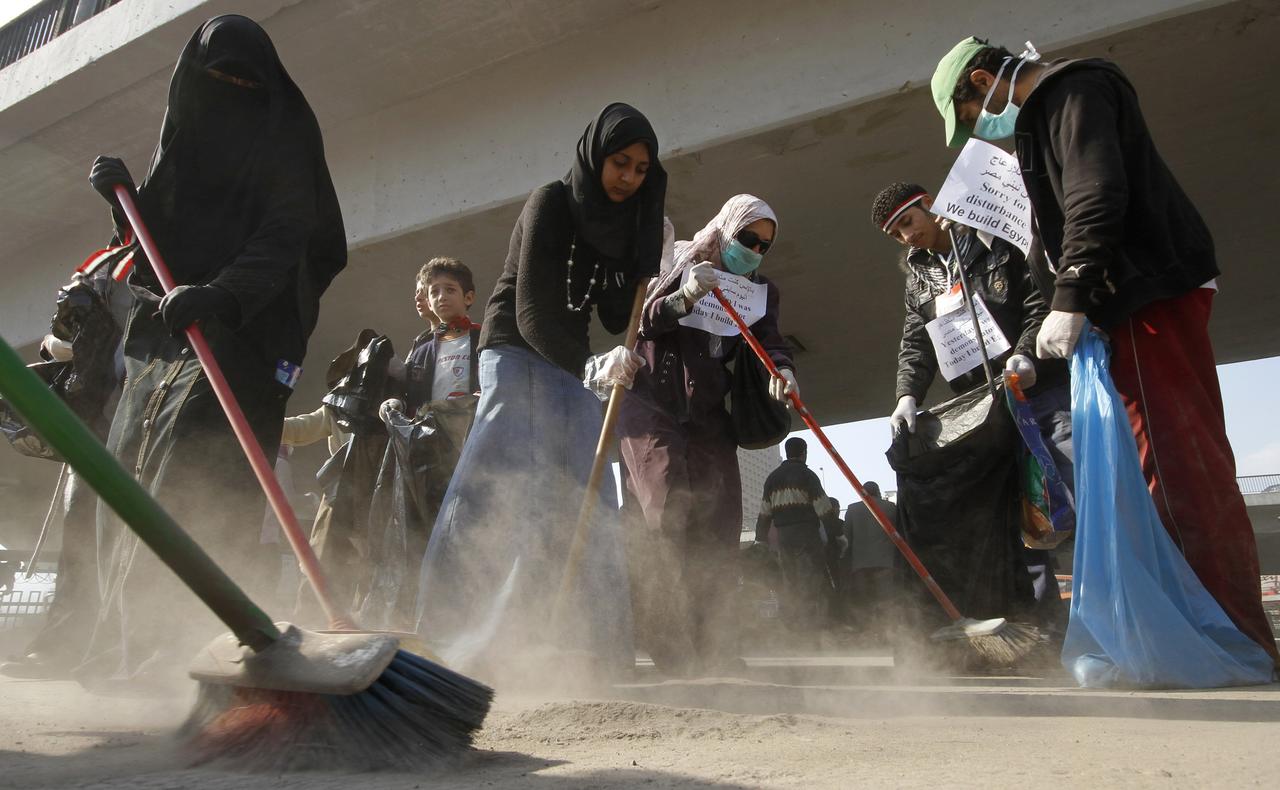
{"type": "Point", "coordinates": [221, 143]}
{"type": "Point", "coordinates": [627, 235]}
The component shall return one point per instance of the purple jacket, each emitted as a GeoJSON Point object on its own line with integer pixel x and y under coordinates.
{"type": "Point", "coordinates": [685, 372]}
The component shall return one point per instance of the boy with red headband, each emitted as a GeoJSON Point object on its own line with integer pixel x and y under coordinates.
{"type": "Point", "coordinates": [1001, 282]}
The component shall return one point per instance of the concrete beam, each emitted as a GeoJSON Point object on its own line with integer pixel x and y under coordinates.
{"type": "Point", "coordinates": [436, 144]}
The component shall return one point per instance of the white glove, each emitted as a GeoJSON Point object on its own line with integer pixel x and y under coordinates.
{"type": "Point", "coordinates": [618, 366]}
{"type": "Point", "coordinates": [843, 543]}
{"type": "Point", "coordinates": [59, 350]}
{"type": "Point", "coordinates": [904, 416]}
{"type": "Point", "coordinates": [389, 405]}
{"type": "Point", "coordinates": [1022, 366]}
{"type": "Point", "coordinates": [396, 370]}
{"type": "Point", "coordinates": [668, 245]}
{"type": "Point", "coordinates": [782, 384]}
{"type": "Point", "coordinates": [698, 282]}
{"type": "Point", "coordinates": [1058, 335]}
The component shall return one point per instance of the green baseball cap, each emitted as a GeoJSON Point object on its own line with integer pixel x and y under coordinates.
{"type": "Point", "coordinates": [943, 85]}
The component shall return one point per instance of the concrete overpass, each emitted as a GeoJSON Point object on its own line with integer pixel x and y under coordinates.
{"type": "Point", "coordinates": [440, 116]}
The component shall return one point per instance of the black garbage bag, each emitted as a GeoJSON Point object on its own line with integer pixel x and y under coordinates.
{"type": "Point", "coordinates": [347, 481]}
{"type": "Point", "coordinates": [87, 383]}
{"type": "Point", "coordinates": [421, 455]}
{"type": "Point", "coordinates": [360, 379]}
{"type": "Point", "coordinates": [958, 504]}
{"type": "Point", "coordinates": [357, 396]}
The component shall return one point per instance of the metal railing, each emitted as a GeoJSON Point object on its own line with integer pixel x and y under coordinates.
{"type": "Point", "coordinates": [23, 607]}
{"type": "Point", "coordinates": [1259, 484]}
{"type": "Point", "coordinates": [44, 22]}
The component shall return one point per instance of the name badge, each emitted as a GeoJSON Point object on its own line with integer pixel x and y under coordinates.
{"type": "Point", "coordinates": [950, 302]}
{"type": "Point", "coordinates": [287, 373]}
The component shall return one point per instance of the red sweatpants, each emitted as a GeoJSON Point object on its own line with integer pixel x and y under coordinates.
{"type": "Point", "coordinates": [1162, 364]}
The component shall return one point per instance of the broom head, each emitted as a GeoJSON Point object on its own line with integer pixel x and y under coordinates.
{"type": "Point", "coordinates": [310, 700]}
{"type": "Point", "coordinates": [996, 642]}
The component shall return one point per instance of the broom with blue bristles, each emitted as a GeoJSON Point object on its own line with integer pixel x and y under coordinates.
{"type": "Point", "coordinates": [272, 696]}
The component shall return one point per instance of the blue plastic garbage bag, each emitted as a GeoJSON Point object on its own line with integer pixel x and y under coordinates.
{"type": "Point", "coordinates": [1139, 615]}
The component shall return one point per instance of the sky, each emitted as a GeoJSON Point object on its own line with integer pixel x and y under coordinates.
{"type": "Point", "coordinates": [11, 8]}
{"type": "Point", "coordinates": [1249, 393]}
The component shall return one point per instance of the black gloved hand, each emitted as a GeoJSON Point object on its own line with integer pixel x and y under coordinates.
{"type": "Point", "coordinates": [186, 304]}
{"type": "Point", "coordinates": [108, 172]}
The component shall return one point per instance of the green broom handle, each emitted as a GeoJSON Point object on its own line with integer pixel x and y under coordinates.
{"type": "Point", "coordinates": [62, 430]}
{"type": "Point", "coordinates": [876, 512]}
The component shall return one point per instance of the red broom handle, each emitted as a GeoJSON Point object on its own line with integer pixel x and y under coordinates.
{"type": "Point", "coordinates": [338, 618]}
{"type": "Point", "coordinates": [876, 512]}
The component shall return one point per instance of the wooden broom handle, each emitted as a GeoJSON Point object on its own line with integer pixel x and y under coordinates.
{"type": "Point", "coordinates": [578, 547]}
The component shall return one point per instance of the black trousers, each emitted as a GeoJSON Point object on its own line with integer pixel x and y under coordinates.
{"type": "Point", "coordinates": [806, 582]}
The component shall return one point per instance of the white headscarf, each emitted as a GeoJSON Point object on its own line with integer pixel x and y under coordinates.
{"type": "Point", "coordinates": [738, 212]}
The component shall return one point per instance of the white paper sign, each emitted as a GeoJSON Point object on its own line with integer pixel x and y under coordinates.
{"type": "Point", "coordinates": [984, 190]}
{"type": "Point", "coordinates": [748, 298]}
{"type": "Point", "coordinates": [955, 343]}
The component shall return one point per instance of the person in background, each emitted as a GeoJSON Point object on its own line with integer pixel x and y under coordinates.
{"type": "Point", "coordinates": [90, 315]}
{"type": "Point", "coordinates": [443, 364]}
{"type": "Point", "coordinates": [1127, 250]}
{"type": "Point", "coordinates": [835, 548]}
{"type": "Point", "coordinates": [869, 567]}
{"type": "Point", "coordinates": [335, 535]}
{"type": "Point", "coordinates": [795, 504]}
{"type": "Point", "coordinates": [496, 559]}
{"type": "Point", "coordinates": [679, 450]}
{"type": "Point", "coordinates": [426, 429]}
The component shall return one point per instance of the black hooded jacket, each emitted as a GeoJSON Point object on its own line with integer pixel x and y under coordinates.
{"type": "Point", "coordinates": [1118, 229]}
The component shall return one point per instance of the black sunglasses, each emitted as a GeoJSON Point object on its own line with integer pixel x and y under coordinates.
{"type": "Point", "coordinates": [750, 240]}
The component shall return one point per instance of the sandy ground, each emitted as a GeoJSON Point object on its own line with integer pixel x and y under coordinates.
{"type": "Point", "coordinates": [867, 727]}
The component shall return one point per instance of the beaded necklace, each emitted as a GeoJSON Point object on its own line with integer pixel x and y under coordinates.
{"type": "Point", "coordinates": [568, 280]}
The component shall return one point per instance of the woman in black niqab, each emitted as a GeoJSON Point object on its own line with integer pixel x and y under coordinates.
{"type": "Point", "coordinates": [240, 202]}
{"type": "Point", "coordinates": [238, 186]}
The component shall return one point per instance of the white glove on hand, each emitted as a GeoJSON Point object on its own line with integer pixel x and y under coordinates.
{"type": "Point", "coordinates": [389, 405]}
{"type": "Point", "coordinates": [1058, 335]}
{"type": "Point", "coordinates": [1022, 366]}
{"type": "Point", "coordinates": [396, 370]}
{"type": "Point", "coordinates": [618, 366]}
{"type": "Point", "coordinates": [698, 282]}
{"type": "Point", "coordinates": [58, 350]}
{"type": "Point", "coordinates": [782, 384]}
{"type": "Point", "coordinates": [904, 416]}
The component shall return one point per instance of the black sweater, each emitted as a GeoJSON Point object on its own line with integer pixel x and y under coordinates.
{"type": "Point", "coordinates": [793, 497]}
{"type": "Point", "coordinates": [528, 307]}
{"type": "Point", "coordinates": [1113, 219]}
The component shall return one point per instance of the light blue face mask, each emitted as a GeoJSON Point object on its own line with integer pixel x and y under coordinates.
{"type": "Point", "coordinates": [740, 260]}
{"type": "Point", "coordinates": [997, 127]}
